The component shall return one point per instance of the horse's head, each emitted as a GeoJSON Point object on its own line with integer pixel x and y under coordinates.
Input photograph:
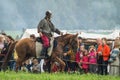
{"type": "Point", "coordinates": [69, 40]}
{"type": "Point", "coordinates": [73, 42]}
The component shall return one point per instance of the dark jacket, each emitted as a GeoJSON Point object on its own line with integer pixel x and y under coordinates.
{"type": "Point", "coordinates": [47, 28]}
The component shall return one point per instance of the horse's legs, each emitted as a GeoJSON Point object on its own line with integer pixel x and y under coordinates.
{"type": "Point", "coordinates": [62, 63]}
{"type": "Point", "coordinates": [52, 66]}
{"type": "Point", "coordinates": [18, 64]}
{"type": "Point", "coordinates": [19, 61]}
{"type": "Point", "coordinates": [49, 66]}
{"type": "Point", "coordinates": [17, 67]}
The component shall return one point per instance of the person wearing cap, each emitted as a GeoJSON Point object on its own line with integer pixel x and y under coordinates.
{"type": "Point", "coordinates": [79, 43]}
{"type": "Point", "coordinates": [115, 59]}
{"type": "Point", "coordinates": [46, 29]}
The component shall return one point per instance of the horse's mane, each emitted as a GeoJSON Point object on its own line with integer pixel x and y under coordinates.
{"type": "Point", "coordinates": [67, 39]}
{"type": "Point", "coordinates": [63, 37]}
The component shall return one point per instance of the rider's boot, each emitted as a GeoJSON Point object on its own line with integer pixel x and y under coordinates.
{"type": "Point", "coordinates": [44, 52]}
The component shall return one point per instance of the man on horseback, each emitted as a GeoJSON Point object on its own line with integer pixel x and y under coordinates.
{"type": "Point", "coordinates": [46, 29]}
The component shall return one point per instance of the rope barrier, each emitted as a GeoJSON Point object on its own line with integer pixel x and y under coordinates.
{"type": "Point", "coordinates": [91, 63]}
{"type": "Point", "coordinates": [9, 61]}
{"type": "Point", "coordinates": [80, 62]}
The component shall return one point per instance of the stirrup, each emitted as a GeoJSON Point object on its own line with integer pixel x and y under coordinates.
{"type": "Point", "coordinates": [42, 57]}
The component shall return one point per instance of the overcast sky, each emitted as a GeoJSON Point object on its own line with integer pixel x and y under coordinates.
{"type": "Point", "coordinates": [67, 14]}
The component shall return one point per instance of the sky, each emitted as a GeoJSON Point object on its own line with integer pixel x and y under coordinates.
{"type": "Point", "coordinates": [67, 14]}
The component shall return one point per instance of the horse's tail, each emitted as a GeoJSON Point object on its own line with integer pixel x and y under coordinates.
{"type": "Point", "coordinates": [9, 54]}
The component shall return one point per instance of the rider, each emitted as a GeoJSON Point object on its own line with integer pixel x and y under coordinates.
{"type": "Point", "coordinates": [46, 29]}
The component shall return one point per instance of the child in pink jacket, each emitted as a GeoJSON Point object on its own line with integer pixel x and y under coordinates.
{"type": "Point", "coordinates": [92, 59]}
{"type": "Point", "coordinates": [85, 60]}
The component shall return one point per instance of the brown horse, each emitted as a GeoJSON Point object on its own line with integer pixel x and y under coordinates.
{"type": "Point", "coordinates": [25, 49]}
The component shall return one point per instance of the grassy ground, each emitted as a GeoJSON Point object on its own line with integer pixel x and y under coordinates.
{"type": "Point", "coordinates": [9, 75]}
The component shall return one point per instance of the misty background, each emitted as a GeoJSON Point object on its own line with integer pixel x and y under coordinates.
{"type": "Point", "coordinates": [67, 14]}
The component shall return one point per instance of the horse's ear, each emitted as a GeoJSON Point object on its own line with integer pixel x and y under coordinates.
{"type": "Point", "coordinates": [73, 37]}
{"type": "Point", "coordinates": [76, 34]}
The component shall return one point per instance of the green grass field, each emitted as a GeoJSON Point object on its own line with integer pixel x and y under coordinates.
{"type": "Point", "coordinates": [10, 75]}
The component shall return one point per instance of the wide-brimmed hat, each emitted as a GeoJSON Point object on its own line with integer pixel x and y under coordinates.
{"type": "Point", "coordinates": [48, 12]}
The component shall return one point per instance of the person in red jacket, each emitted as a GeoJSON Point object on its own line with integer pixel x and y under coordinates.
{"type": "Point", "coordinates": [85, 61]}
{"type": "Point", "coordinates": [79, 57]}
{"type": "Point", "coordinates": [103, 53]}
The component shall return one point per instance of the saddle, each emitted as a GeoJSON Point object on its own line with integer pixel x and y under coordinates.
{"type": "Point", "coordinates": [39, 43]}
{"type": "Point", "coordinates": [38, 39]}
